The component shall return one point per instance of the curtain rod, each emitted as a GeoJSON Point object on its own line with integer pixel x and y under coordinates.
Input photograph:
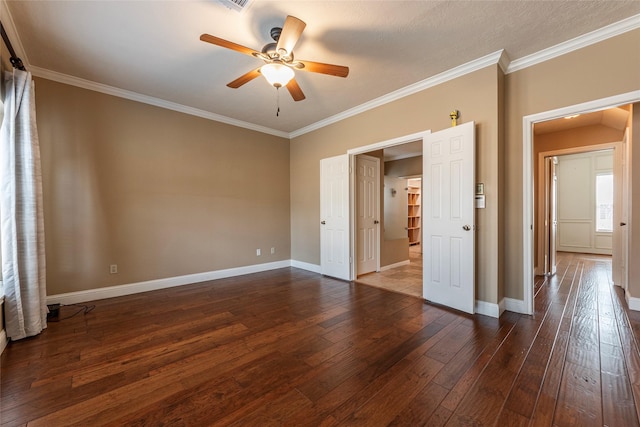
{"type": "Point", "coordinates": [15, 61]}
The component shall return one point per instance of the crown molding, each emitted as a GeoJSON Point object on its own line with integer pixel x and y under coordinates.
{"type": "Point", "coordinates": [504, 61]}
{"type": "Point", "coordinates": [601, 34]}
{"type": "Point", "coordinates": [459, 71]}
{"type": "Point", "coordinates": [145, 99]}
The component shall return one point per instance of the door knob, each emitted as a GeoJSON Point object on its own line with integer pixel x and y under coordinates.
{"type": "Point", "coordinates": [323, 222]}
{"type": "Point", "coordinates": [375, 221]}
{"type": "Point", "coordinates": [466, 227]}
{"type": "Point", "coordinates": [622, 224]}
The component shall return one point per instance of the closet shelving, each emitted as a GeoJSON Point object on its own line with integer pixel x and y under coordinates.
{"type": "Point", "coordinates": [413, 213]}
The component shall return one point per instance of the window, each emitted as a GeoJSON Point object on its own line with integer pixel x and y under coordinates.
{"type": "Point", "coordinates": [604, 202]}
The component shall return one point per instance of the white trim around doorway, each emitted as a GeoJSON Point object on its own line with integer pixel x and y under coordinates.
{"type": "Point", "coordinates": [527, 179]}
{"type": "Point", "coordinates": [419, 136]}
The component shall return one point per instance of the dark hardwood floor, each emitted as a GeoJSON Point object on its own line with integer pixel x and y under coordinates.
{"type": "Point", "coordinates": [292, 348]}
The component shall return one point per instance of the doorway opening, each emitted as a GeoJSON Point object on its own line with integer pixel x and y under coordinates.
{"type": "Point", "coordinates": [448, 216]}
{"type": "Point", "coordinates": [448, 277]}
{"type": "Point", "coordinates": [400, 232]}
{"type": "Point", "coordinates": [581, 129]}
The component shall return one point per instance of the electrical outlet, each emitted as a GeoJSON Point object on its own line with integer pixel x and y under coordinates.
{"type": "Point", "coordinates": [273, 251]}
{"type": "Point", "coordinates": [258, 253]}
{"type": "Point", "coordinates": [113, 269]}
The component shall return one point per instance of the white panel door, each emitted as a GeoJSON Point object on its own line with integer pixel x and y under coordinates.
{"type": "Point", "coordinates": [553, 210]}
{"type": "Point", "coordinates": [367, 212]}
{"type": "Point", "coordinates": [621, 212]}
{"type": "Point", "coordinates": [334, 217]}
{"type": "Point", "coordinates": [449, 217]}
{"type": "Point", "coordinates": [579, 212]}
{"type": "Point", "coordinates": [551, 215]}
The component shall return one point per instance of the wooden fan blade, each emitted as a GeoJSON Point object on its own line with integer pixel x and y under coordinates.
{"type": "Point", "coordinates": [319, 67]}
{"type": "Point", "coordinates": [226, 43]}
{"type": "Point", "coordinates": [290, 34]}
{"type": "Point", "coordinates": [295, 91]}
{"type": "Point", "coordinates": [245, 78]}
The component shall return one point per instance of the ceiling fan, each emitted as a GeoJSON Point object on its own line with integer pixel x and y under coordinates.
{"type": "Point", "coordinates": [279, 60]}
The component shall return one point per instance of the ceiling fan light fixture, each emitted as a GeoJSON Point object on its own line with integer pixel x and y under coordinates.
{"type": "Point", "coordinates": [277, 74]}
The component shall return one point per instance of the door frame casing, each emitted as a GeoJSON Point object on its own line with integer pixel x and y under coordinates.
{"type": "Point", "coordinates": [418, 136]}
{"type": "Point", "coordinates": [527, 182]}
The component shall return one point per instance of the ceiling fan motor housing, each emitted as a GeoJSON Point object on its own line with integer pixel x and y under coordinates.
{"type": "Point", "coordinates": [275, 33]}
{"type": "Point", "coordinates": [269, 49]}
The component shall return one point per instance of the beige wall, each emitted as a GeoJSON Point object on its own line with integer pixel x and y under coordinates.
{"type": "Point", "coordinates": [5, 63]}
{"type": "Point", "coordinates": [572, 138]}
{"type": "Point", "coordinates": [411, 166]}
{"type": "Point", "coordinates": [394, 251]}
{"type": "Point", "coordinates": [499, 193]}
{"type": "Point", "coordinates": [474, 95]}
{"type": "Point", "coordinates": [159, 193]}
{"type": "Point", "coordinates": [602, 70]}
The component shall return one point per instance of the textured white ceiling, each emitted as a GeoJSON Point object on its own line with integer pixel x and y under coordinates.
{"type": "Point", "coordinates": [152, 47]}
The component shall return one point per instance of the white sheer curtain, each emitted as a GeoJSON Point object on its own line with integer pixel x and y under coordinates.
{"type": "Point", "coordinates": [21, 216]}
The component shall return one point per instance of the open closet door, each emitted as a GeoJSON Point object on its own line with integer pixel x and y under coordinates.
{"type": "Point", "coordinates": [551, 214]}
{"type": "Point", "coordinates": [367, 210]}
{"type": "Point", "coordinates": [334, 217]}
{"type": "Point", "coordinates": [449, 217]}
{"type": "Point", "coordinates": [620, 237]}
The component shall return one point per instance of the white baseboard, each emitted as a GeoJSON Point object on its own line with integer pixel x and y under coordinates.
{"type": "Point", "coordinates": [487, 309]}
{"type": "Point", "coordinates": [152, 285]}
{"type": "Point", "coordinates": [515, 305]}
{"type": "Point", "coordinates": [3, 340]}
{"type": "Point", "coordinates": [397, 264]}
{"type": "Point", "coordinates": [501, 306]}
{"type": "Point", "coordinates": [481, 307]}
{"type": "Point", "coordinates": [306, 266]}
{"type": "Point", "coordinates": [632, 302]}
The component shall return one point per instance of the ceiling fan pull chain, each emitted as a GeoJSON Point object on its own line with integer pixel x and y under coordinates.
{"type": "Point", "coordinates": [278, 101]}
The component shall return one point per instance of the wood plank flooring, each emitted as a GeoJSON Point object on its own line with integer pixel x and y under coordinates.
{"type": "Point", "coordinates": [292, 348]}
